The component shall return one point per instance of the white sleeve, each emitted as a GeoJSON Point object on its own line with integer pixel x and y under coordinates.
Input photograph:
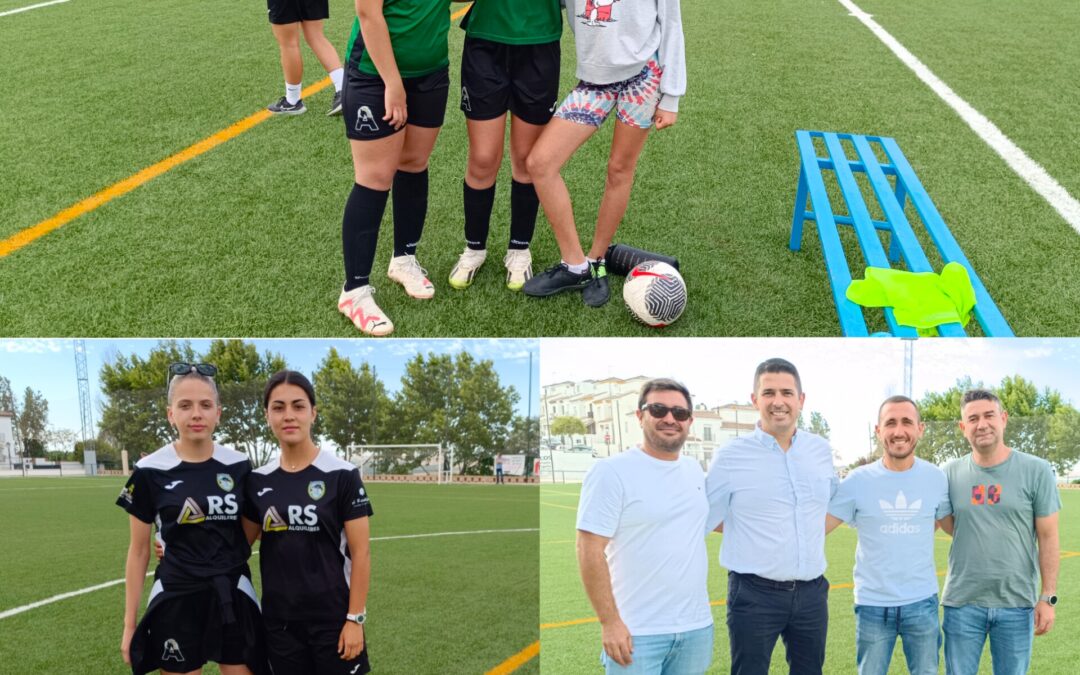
{"type": "Point", "coordinates": [601, 501]}
{"type": "Point", "coordinates": [718, 490]}
{"type": "Point", "coordinates": [672, 54]}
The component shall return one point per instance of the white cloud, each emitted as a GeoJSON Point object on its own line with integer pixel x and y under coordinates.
{"type": "Point", "coordinates": [35, 346]}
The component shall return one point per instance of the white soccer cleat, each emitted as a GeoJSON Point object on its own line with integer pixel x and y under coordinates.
{"type": "Point", "coordinates": [518, 267]}
{"type": "Point", "coordinates": [461, 277]}
{"type": "Point", "coordinates": [405, 270]}
{"type": "Point", "coordinates": [359, 305]}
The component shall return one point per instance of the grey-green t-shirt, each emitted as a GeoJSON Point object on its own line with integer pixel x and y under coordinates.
{"type": "Point", "coordinates": [994, 560]}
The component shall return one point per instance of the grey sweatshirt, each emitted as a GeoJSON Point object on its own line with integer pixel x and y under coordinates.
{"type": "Point", "coordinates": [615, 39]}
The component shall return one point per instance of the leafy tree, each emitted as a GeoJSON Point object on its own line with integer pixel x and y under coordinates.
{"type": "Point", "coordinates": [818, 425]}
{"type": "Point", "coordinates": [133, 417]}
{"type": "Point", "coordinates": [457, 401]}
{"type": "Point", "coordinates": [33, 423]}
{"type": "Point", "coordinates": [241, 378]}
{"type": "Point", "coordinates": [567, 426]}
{"type": "Point", "coordinates": [353, 405]}
{"type": "Point", "coordinates": [1040, 423]}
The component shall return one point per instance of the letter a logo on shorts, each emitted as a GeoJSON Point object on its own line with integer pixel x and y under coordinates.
{"type": "Point", "coordinates": [172, 651]}
{"type": "Point", "coordinates": [316, 489]}
{"type": "Point", "coordinates": [191, 514]}
{"type": "Point", "coordinates": [365, 120]}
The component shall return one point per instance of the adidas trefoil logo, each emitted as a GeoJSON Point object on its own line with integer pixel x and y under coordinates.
{"type": "Point", "coordinates": [900, 512]}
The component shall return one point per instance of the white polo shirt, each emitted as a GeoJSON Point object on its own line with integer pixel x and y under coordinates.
{"type": "Point", "coordinates": [654, 512]}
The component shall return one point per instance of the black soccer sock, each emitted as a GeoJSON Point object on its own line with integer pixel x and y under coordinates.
{"type": "Point", "coordinates": [478, 205]}
{"type": "Point", "coordinates": [360, 233]}
{"type": "Point", "coordinates": [410, 209]}
{"type": "Point", "coordinates": [523, 206]}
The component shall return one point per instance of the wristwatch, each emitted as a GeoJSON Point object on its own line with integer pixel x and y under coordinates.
{"type": "Point", "coordinates": [357, 618]}
{"type": "Point", "coordinates": [1049, 599]}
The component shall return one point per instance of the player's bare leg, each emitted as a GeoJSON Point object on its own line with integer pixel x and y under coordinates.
{"type": "Point", "coordinates": [626, 146]}
{"type": "Point", "coordinates": [559, 141]}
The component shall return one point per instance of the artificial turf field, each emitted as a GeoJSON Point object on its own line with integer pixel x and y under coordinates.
{"type": "Point", "coordinates": [463, 604]}
{"type": "Point", "coordinates": [570, 635]}
{"type": "Point", "coordinates": [245, 239]}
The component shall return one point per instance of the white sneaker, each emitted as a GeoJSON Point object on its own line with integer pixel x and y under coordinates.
{"type": "Point", "coordinates": [406, 271]}
{"type": "Point", "coordinates": [470, 261]}
{"type": "Point", "coordinates": [359, 305]}
{"type": "Point", "coordinates": [518, 267]}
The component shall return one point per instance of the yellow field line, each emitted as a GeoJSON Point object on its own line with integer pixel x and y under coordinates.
{"type": "Point", "coordinates": [560, 506]}
{"type": "Point", "coordinates": [558, 541]}
{"type": "Point", "coordinates": [517, 660]}
{"type": "Point", "coordinates": [35, 232]}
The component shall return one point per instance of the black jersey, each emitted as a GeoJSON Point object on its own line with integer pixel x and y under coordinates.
{"type": "Point", "coordinates": [304, 556]}
{"type": "Point", "coordinates": [197, 508]}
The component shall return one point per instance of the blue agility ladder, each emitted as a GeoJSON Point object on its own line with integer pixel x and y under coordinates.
{"type": "Point", "coordinates": [902, 240]}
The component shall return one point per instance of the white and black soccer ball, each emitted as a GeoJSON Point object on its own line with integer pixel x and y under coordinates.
{"type": "Point", "coordinates": [655, 293]}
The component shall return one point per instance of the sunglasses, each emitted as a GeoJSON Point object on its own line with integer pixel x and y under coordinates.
{"type": "Point", "coordinates": [181, 369]}
{"type": "Point", "coordinates": [660, 411]}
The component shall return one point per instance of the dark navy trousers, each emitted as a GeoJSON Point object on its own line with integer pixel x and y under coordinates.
{"type": "Point", "coordinates": [760, 610]}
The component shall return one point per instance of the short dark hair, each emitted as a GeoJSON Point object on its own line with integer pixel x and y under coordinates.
{"type": "Point", "coordinates": [777, 365]}
{"type": "Point", "coordinates": [663, 384]}
{"type": "Point", "coordinates": [899, 399]}
{"type": "Point", "coordinates": [979, 395]}
{"type": "Point", "coordinates": [288, 377]}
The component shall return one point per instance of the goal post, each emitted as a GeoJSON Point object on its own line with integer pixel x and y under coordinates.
{"type": "Point", "coordinates": [414, 462]}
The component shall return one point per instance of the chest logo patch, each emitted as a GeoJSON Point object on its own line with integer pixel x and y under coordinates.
{"type": "Point", "coordinates": [316, 489]}
{"type": "Point", "coordinates": [985, 494]}
{"type": "Point", "coordinates": [273, 522]}
{"type": "Point", "coordinates": [191, 514]}
{"type": "Point", "coordinates": [225, 482]}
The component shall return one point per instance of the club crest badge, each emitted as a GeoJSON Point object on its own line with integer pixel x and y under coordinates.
{"type": "Point", "coordinates": [225, 482]}
{"type": "Point", "coordinates": [316, 489]}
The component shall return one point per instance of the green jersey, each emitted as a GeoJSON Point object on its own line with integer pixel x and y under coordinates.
{"type": "Point", "coordinates": [418, 34]}
{"type": "Point", "coordinates": [994, 561]}
{"type": "Point", "coordinates": [514, 22]}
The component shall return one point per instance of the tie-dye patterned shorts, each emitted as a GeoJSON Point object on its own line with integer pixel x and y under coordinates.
{"type": "Point", "coordinates": [634, 101]}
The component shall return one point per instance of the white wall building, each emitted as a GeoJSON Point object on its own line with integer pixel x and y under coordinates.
{"type": "Point", "coordinates": [7, 438]}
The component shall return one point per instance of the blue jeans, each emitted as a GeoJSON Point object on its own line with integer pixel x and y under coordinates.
{"type": "Point", "coordinates": [1011, 630]}
{"type": "Point", "coordinates": [916, 624]}
{"type": "Point", "coordinates": [687, 653]}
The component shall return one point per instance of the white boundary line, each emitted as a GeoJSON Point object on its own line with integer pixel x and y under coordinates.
{"type": "Point", "coordinates": [1032, 173]}
{"type": "Point", "coordinates": [82, 591]}
{"type": "Point", "coordinates": [27, 9]}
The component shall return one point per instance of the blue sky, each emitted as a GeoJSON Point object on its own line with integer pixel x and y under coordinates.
{"type": "Point", "coordinates": [48, 365]}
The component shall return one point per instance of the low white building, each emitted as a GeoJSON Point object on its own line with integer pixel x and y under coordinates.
{"type": "Point", "coordinates": [7, 438]}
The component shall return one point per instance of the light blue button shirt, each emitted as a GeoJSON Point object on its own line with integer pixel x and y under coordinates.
{"type": "Point", "coordinates": [772, 504]}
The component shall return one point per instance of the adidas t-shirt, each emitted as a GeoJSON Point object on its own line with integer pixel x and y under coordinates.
{"type": "Point", "coordinates": [418, 34]}
{"type": "Point", "coordinates": [196, 506]}
{"type": "Point", "coordinates": [304, 557]}
{"type": "Point", "coordinates": [894, 513]}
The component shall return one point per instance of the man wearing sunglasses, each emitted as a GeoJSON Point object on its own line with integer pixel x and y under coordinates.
{"type": "Point", "coordinates": [769, 492]}
{"type": "Point", "coordinates": [641, 545]}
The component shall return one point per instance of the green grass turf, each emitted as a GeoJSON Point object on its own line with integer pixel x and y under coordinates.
{"type": "Point", "coordinates": [442, 604]}
{"type": "Point", "coordinates": [245, 240]}
{"type": "Point", "coordinates": [576, 648]}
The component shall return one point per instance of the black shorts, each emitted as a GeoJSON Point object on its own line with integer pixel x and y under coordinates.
{"type": "Point", "coordinates": [523, 79]}
{"type": "Point", "coordinates": [363, 100]}
{"type": "Point", "coordinates": [178, 630]}
{"type": "Point", "coordinates": [310, 648]}
{"type": "Point", "coordinates": [295, 11]}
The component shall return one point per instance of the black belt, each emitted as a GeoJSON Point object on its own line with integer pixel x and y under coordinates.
{"type": "Point", "coordinates": [790, 585]}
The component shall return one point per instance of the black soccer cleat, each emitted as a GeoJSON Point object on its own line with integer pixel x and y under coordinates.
{"type": "Point", "coordinates": [556, 279]}
{"type": "Point", "coordinates": [597, 292]}
{"type": "Point", "coordinates": [335, 105]}
{"type": "Point", "coordinates": [622, 258]}
{"type": "Point", "coordinates": [283, 107]}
